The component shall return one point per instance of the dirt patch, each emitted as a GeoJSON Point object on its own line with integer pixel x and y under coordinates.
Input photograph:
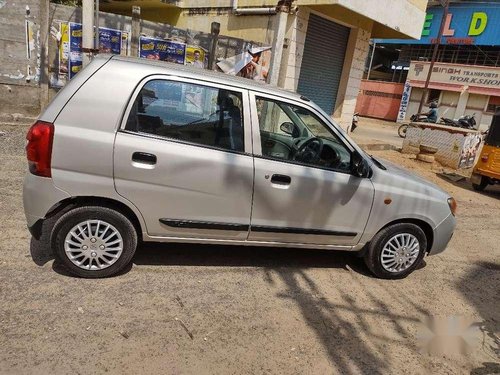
{"type": "Point", "coordinates": [243, 310]}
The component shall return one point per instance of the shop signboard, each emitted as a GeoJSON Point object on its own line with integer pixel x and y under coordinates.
{"type": "Point", "coordinates": [469, 23]}
{"type": "Point", "coordinates": [455, 74]}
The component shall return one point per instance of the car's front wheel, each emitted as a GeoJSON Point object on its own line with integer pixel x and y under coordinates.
{"type": "Point", "coordinates": [396, 251]}
{"type": "Point", "coordinates": [94, 241]}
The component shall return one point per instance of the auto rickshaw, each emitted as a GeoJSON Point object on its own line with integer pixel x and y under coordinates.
{"type": "Point", "coordinates": [487, 169]}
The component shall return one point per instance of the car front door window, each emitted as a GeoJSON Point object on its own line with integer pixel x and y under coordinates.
{"type": "Point", "coordinates": [295, 134]}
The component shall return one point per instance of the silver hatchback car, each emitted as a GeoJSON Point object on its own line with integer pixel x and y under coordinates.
{"type": "Point", "coordinates": [133, 150]}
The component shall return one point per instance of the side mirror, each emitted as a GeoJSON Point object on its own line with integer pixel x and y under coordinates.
{"type": "Point", "coordinates": [359, 166]}
{"type": "Point", "coordinates": [291, 129]}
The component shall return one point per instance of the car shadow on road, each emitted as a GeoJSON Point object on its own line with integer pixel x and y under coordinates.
{"type": "Point", "coordinates": [178, 254]}
{"type": "Point", "coordinates": [244, 256]}
{"type": "Point", "coordinates": [492, 191]}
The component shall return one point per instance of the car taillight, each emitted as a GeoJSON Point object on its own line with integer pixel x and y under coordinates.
{"type": "Point", "coordinates": [39, 148]}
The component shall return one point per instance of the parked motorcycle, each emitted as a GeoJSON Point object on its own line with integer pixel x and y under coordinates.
{"type": "Point", "coordinates": [414, 118]}
{"type": "Point", "coordinates": [466, 122]}
{"type": "Point", "coordinates": [419, 118]}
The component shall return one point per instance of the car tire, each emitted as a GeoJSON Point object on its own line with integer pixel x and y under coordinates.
{"type": "Point", "coordinates": [94, 241]}
{"type": "Point", "coordinates": [381, 249]}
{"type": "Point", "coordinates": [482, 185]}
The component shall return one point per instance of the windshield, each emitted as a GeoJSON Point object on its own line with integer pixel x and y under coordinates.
{"type": "Point", "coordinates": [312, 126]}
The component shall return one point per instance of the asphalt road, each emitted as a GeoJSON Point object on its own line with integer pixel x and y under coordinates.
{"type": "Point", "coordinates": [225, 310]}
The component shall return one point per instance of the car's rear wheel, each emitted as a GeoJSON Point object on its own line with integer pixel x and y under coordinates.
{"type": "Point", "coordinates": [94, 241]}
{"type": "Point", "coordinates": [396, 251]}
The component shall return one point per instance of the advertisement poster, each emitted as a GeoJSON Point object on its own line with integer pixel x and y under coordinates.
{"type": "Point", "coordinates": [196, 57]}
{"type": "Point", "coordinates": [159, 49]}
{"type": "Point", "coordinates": [469, 151]}
{"type": "Point", "coordinates": [110, 41]}
{"type": "Point", "coordinates": [64, 48]}
{"type": "Point", "coordinates": [75, 49]}
{"type": "Point", "coordinates": [405, 101]}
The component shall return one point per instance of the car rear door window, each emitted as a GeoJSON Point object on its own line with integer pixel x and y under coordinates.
{"type": "Point", "coordinates": [190, 113]}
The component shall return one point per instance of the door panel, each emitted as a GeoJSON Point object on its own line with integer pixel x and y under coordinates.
{"type": "Point", "coordinates": [181, 160]}
{"type": "Point", "coordinates": [186, 184]}
{"type": "Point", "coordinates": [308, 195]}
{"type": "Point", "coordinates": [318, 206]}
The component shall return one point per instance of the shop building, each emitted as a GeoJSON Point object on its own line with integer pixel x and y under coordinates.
{"type": "Point", "coordinates": [465, 79]}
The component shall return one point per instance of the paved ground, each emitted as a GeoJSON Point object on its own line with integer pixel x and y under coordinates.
{"type": "Point", "coordinates": [249, 310]}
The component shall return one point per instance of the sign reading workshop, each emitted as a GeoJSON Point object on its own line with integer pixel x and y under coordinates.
{"type": "Point", "coordinates": [455, 74]}
{"type": "Point", "coordinates": [471, 23]}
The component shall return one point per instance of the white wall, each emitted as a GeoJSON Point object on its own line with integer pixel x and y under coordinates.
{"type": "Point", "coordinates": [354, 65]}
{"type": "Point", "coordinates": [292, 56]}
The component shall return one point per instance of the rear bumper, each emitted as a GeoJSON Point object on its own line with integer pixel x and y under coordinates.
{"type": "Point", "coordinates": [39, 196]}
{"type": "Point", "coordinates": [36, 229]}
{"type": "Point", "coordinates": [442, 234]}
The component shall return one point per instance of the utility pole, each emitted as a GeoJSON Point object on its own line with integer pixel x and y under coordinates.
{"type": "Point", "coordinates": [445, 4]}
{"type": "Point", "coordinates": [96, 24]}
{"type": "Point", "coordinates": [87, 30]}
{"type": "Point", "coordinates": [135, 32]}
{"type": "Point", "coordinates": [283, 8]}
{"type": "Point", "coordinates": [214, 32]}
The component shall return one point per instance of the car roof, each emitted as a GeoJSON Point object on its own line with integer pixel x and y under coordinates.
{"type": "Point", "coordinates": [208, 75]}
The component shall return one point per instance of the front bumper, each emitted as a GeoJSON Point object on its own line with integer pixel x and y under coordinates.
{"type": "Point", "coordinates": [442, 234]}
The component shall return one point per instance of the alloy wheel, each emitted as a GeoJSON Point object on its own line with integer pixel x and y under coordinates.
{"type": "Point", "coordinates": [93, 245]}
{"type": "Point", "coordinates": [400, 252]}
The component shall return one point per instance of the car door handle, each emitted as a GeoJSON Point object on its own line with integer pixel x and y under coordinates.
{"type": "Point", "coordinates": [281, 179]}
{"type": "Point", "coordinates": [144, 158]}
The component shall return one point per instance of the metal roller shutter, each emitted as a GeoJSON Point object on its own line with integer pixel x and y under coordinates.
{"type": "Point", "coordinates": [322, 62]}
